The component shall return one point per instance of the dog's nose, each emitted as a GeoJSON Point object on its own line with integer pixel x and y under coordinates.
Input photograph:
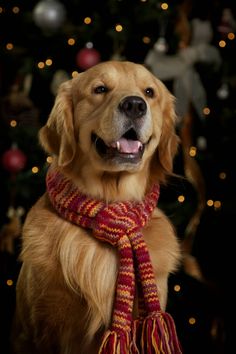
{"type": "Point", "coordinates": [133, 106]}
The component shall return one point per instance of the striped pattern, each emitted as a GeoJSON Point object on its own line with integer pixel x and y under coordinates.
{"type": "Point", "coordinates": [120, 224]}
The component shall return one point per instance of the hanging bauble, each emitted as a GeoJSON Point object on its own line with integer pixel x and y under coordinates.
{"type": "Point", "coordinates": [49, 14]}
{"type": "Point", "coordinates": [87, 57]}
{"type": "Point", "coordinates": [201, 143]}
{"type": "Point", "coordinates": [223, 91]}
{"type": "Point", "coordinates": [227, 24]}
{"type": "Point", "coordinates": [161, 45]}
{"type": "Point", "coordinates": [59, 77]}
{"type": "Point", "coordinates": [14, 160]}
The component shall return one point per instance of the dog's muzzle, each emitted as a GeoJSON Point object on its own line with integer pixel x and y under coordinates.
{"type": "Point", "coordinates": [129, 147]}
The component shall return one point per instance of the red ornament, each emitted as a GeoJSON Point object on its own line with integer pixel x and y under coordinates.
{"type": "Point", "coordinates": [87, 57]}
{"type": "Point", "coordinates": [14, 160]}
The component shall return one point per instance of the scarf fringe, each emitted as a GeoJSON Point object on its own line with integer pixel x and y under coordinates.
{"type": "Point", "coordinates": [115, 343]}
{"type": "Point", "coordinates": [155, 335]}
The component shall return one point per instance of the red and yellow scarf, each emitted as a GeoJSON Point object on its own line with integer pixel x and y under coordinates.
{"type": "Point", "coordinates": [120, 224]}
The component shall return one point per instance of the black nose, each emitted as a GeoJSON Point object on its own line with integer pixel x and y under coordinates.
{"type": "Point", "coordinates": [133, 106]}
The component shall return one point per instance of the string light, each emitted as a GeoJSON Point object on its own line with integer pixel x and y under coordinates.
{"type": "Point", "coordinates": [71, 41]}
{"type": "Point", "coordinates": [15, 9]}
{"type": "Point", "coordinates": [231, 36]}
{"type": "Point", "coordinates": [13, 123]}
{"type": "Point", "coordinates": [74, 74]}
{"type": "Point", "coordinates": [9, 46]}
{"type": "Point", "coordinates": [41, 65]}
{"type": "Point", "coordinates": [181, 198]}
{"type": "Point", "coordinates": [217, 204]}
{"type": "Point", "coordinates": [164, 6]}
{"type": "Point", "coordinates": [177, 288]}
{"type": "Point", "coordinates": [222, 175]}
{"type": "Point", "coordinates": [222, 43]}
{"type": "Point", "coordinates": [35, 169]}
{"type": "Point", "coordinates": [146, 40]}
{"type": "Point", "coordinates": [87, 20]}
{"type": "Point", "coordinates": [193, 151]}
{"type": "Point", "coordinates": [9, 282]}
{"type": "Point", "coordinates": [119, 28]}
{"type": "Point", "coordinates": [210, 203]}
{"type": "Point", "coordinates": [49, 159]}
{"type": "Point", "coordinates": [192, 320]}
{"type": "Point", "coordinates": [48, 62]}
{"type": "Point", "coordinates": [206, 111]}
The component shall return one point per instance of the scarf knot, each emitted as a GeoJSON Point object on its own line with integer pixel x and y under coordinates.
{"type": "Point", "coordinates": [120, 224]}
{"type": "Point", "coordinates": [124, 218]}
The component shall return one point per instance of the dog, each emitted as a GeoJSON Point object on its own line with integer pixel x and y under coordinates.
{"type": "Point", "coordinates": [112, 132]}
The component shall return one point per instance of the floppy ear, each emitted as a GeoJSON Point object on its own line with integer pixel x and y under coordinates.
{"type": "Point", "coordinates": [57, 135]}
{"type": "Point", "coordinates": [169, 140]}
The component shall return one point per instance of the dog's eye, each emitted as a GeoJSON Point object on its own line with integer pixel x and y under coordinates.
{"type": "Point", "coordinates": [100, 89]}
{"type": "Point", "coordinates": [149, 92]}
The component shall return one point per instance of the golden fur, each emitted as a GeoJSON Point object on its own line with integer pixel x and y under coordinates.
{"type": "Point", "coordinates": [66, 286]}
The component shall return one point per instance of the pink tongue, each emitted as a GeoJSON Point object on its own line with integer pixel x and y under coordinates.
{"type": "Point", "coordinates": [128, 146]}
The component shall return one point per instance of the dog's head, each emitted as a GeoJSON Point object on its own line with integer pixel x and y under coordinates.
{"type": "Point", "coordinates": [117, 117]}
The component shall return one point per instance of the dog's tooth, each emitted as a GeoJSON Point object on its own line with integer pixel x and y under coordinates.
{"type": "Point", "coordinates": [118, 145]}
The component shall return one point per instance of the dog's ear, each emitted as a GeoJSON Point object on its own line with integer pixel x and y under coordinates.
{"type": "Point", "coordinates": [57, 135]}
{"type": "Point", "coordinates": [169, 140]}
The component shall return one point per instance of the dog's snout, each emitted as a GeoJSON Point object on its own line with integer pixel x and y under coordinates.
{"type": "Point", "coordinates": [133, 106]}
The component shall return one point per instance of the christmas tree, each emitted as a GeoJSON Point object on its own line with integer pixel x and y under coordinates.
{"type": "Point", "coordinates": [190, 46]}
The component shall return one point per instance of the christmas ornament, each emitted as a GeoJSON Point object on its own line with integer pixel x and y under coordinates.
{"type": "Point", "coordinates": [223, 91]}
{"type": "Point", "coordinates": [49, 14]}
{"type": "Point", "coordinates": [59, 77]}
{"type": "Point", "coordinates": [87, 57]}
{"type": "Point", "coordinates": [202, 31]}
{"type": "Point", "coordinates": [228, 23]}
{"type": "Point", "coordinates": [180, 67]}
{"type": "Point", "coordinates": [161, 45]}
{"type": "Point", "coordinates": [14, 160]}
{"type": "Point", "coordinates": [201, 143]}
{"type": "Point", "coordinates": [12, 230]}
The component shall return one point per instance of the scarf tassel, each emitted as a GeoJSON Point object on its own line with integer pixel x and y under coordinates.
{"type": "Point", "coordinates": [152, 335]}
{"type": "Point", "coordinates": [115, 343]}
{"type": "Point", "coordinates": [157, 335]}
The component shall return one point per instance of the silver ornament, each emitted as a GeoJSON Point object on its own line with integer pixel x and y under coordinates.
{"type": "Point", "coordinates": [161, 45]}
{"type": "Point", "coordinates": [49, 14]}
{"type": "Point", "coordinates": [201, 143]}
{"type": "Point", "coordinates": [223, 91]}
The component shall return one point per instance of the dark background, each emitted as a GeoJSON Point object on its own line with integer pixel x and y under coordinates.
{"type": "Point", "coordinates": [205, 297]}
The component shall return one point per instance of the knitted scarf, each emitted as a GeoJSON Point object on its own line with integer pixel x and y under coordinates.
{"type": "Point", "coordinates": [120, 224]}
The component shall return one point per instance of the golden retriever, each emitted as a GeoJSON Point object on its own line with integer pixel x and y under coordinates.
{"type": "Point", "coordinates": [112, 131]}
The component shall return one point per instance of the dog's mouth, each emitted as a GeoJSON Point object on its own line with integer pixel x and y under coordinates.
{"type": "Point", "coordinates": [128, 148]}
